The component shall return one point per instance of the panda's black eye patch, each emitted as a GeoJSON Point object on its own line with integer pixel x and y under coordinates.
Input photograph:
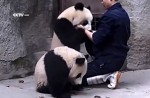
{"type": "Point", "coordinates": [78, 76]}
{"type": "Point", "coordinates": [85, 23]}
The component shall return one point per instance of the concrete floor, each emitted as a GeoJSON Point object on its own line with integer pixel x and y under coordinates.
{"type": "Point", "coordinates": [133, 84]}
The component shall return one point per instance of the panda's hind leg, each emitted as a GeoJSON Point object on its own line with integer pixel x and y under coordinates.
{"type": "Point", "coordinates": [41, 82]}
{"type": "Point", "coordinates": [43, 89]}
{"type": "Point", "coordinates": [61, 90]}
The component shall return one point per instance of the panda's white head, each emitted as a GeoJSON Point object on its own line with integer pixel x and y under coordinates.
{"type": "Point", "coordinates": [76, 62]}
{"type": "Point", "coordinates": [78, 15]}
{"type": "Point", "coordinates": [78, 70]}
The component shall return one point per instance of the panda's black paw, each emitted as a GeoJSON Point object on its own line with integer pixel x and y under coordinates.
{"type": "Point", "coordinates": [77, 87]}
{"type": "Point", "coordinates": [43, 89]}
{"type": "Point", "coordinates": [65, 95]}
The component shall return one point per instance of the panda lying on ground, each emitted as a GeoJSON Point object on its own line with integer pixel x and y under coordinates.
{"type": "Point", "coordinates": [59, 69]}
{"type": "Point", "coordinates": [65, 31]}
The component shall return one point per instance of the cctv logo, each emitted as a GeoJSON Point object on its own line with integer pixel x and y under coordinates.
{"type": "Point", "coordinates": [20, 14]}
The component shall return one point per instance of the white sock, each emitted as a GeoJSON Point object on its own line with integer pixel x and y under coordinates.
{"type": "Point", "coordinates": [97, 79]}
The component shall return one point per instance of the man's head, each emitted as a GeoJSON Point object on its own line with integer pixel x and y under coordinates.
{"type": "Point", "coordinates": [108, 3]}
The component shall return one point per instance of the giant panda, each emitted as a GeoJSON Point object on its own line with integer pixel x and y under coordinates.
{"type": "Point", "coordinates": [65, 31]}
{"type": "Point", "coordinates": [59, 69]}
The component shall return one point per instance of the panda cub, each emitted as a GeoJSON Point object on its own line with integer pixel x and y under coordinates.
{"type": "Point", "coordinates": [59, 69]}
{"type": "Point", "coordinates": [65, 31]}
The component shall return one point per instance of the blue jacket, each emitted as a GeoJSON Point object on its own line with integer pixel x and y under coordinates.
{"type": "Point", "coordinates": [110, 40]}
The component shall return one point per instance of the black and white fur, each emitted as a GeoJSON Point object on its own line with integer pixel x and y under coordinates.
{"type": "Point", "coordinates": [65, 31]}
{"type": "Point", "coordinates": [59, 69]}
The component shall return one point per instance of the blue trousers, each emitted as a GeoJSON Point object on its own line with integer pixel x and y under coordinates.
{"type": "Point", "coordinates": [95, 69]}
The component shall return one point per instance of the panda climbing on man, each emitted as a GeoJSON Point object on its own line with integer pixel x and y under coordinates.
{"type": "Point", "coordinates": [65, 31]}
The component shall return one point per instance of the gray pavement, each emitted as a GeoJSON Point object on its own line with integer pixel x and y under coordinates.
{"type": "Point", "coordinates": [133, 84]}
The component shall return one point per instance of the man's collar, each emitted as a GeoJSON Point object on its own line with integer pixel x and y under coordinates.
{"type": "Point", "coordinates": [116, 5]}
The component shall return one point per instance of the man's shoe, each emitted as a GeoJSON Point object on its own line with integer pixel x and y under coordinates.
{"type": "Point", "coordinates": [114, 79]}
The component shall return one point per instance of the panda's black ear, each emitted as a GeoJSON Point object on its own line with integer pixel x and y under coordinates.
{"type": "Point", "coordinates": [80, 61]}
{"type": "Point", "coordinates": [89, 7]}
{"type": "Point", "coordinates": [79, 6]}
{"type": "Point", "coordinates": [86, 56]}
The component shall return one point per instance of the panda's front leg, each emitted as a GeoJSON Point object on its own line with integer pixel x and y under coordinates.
{"type": "Point", "coordinates": [77, 87]}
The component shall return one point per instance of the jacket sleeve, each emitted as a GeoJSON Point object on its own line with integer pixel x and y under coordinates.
{"type": "Point", "coordinates": [104, 31]}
